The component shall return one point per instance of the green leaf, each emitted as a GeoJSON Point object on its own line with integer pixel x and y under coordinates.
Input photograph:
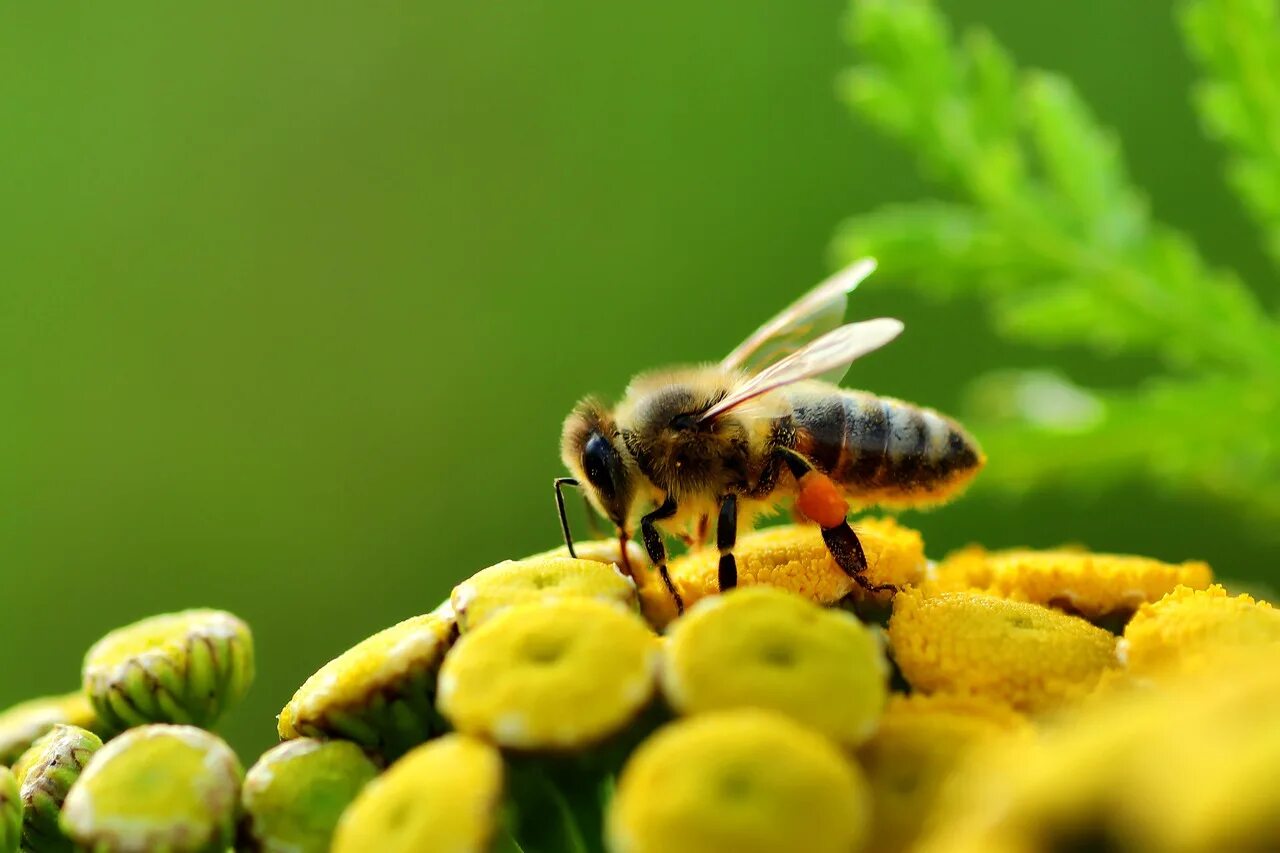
{"type": "Point", "coordinates": [941, 245]}
{"type": "Point", "coordinates": [551, 810]}
{"type": "Point", "coordinates": [1237, 45]}
{"type": "Point", "coordinates": [1050, 229]}
{"type": "Point", "coordinates": [1130, 433]}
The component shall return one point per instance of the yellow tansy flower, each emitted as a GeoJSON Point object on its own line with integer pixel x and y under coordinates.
{"type": "Point", "coordinates": [1216, 791]}
{"type": "Point", "coordinates": [768, 648]}
{"type": "Point", "coordinates": [601, 551]}
{"type": "Point", "coordinates": [1188, 767]}
{"type": "Point", "coordinates": [750, 781]}
{"type": "Point", "coordinates": [515, 581]}
{"type": "Point", "coordinates": [1187, 628]}
{"type": "Point", "coordinates": [444, 795]}
{"type": "Point", "coordinates": [380, 693]}
{"type": "Point", "coordinates": [550, 675]}
{"type": "Point", "coordinates": [1092, 585]}
{"type": "Point", "coordinates": [919, 743]}
{"type": "Point", "coordinates": [23, 723]}
{"type": "Point", "coordinates": [795, 558]}
{"type": "Point", "coordinates": [1028, 656]}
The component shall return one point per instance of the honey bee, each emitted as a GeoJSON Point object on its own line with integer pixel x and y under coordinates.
{"type": "Point", "coordinates": [768, 422]}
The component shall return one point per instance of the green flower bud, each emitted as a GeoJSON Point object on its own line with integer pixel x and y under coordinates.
{"type": "Point", "coordinates": [45, 773]}
{"type": "Point", "coordinates": [10, 812]}
{"type": "Point", "coordinates": [295, 793]}
{"type": "Point", "coordinates": [157, 787]}
{"type": "Point", "coordinates": [22, 724]}
{"type": "Point", "coordinates": [380, 693]}
{"type": "Point", "coordinates": [186, 667]}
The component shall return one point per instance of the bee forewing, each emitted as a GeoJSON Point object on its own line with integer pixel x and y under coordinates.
{"type": "Point", "coordinates": [835, 350]}
{"type": "Point", "coordinates": [817, 312]}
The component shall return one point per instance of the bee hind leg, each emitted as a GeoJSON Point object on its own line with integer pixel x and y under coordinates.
{"type": "Point", "coordinates": [818, 498]}
{"type": "Point", "coordinates": [846, 550]}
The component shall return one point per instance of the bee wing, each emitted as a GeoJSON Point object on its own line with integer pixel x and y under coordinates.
{"type": "Point", "coordinates": [835, 350]}
{"type": "Point", "coordinates": [809, 317]}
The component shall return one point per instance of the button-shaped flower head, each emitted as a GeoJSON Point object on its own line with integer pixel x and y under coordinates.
{"type": "Point", "coordinates": [1025, 655]}
{"type": "Point", "coordinates": [536, 579]}
{"type": "Point", "coordinates": [45, 774]}
{"type": "Point", "coordinates": [380, 693]}
{"type": "Point", "coordinates": [795, 558]}
{"type": "Point", "coordinates": [767, 648]}
{"type": "Point", "coordinates": [555, 675]}
{"type": "Point", "coordinates": [22, 724]}
{"type": "Point", "coordinates": [1093, 585]}
{"type": "Point", "coordinates": [747, 780]}
{"type": "Point", "coordinates": [294, 794]}
{"type": "Point", "coordinates": [186, 667]}
{"type": "Point", "coordinates": [443, 795]}
{"type": "Point", "coordinates": [1189, 629]}
{"type": "Point", "coordinates": [10, 812]}
{"type": "Point", "coordinates": [157, 787]}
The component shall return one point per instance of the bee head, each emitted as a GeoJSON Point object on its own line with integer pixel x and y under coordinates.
{"type": "Point", "coordinates": [592, 449]}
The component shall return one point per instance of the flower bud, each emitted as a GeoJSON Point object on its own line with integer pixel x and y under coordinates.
{"type": "Point", "coordinates": [22, 724]}
{"type": "Point", "coordinates": [295, 793]}
{"type": "Point", "coordinates": [10, 812]}
{"type": "Point", "coordinates": [187, 667]}
{"type": "Point", "coordinates": [380, 693]}
{"type": "Point", "coordinates": [156, 787]}
{"type": "Point", "coordinates": [45, 773]}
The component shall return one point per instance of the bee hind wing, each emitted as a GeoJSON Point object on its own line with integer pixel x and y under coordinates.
{"type": "Point", "coordinates": [834, 351]}
{"type": "Point", "coordinates": [817, 312]}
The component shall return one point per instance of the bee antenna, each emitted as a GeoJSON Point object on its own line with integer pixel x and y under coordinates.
{"type": "Point", "coordinates": [561, 482]}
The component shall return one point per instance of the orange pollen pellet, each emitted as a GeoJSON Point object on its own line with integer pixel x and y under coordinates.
{"type": "Point", "coordinates": [818, 497]}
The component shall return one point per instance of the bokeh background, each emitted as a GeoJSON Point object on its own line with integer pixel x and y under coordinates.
{"type": "Point", "coordinates": [293, 299]}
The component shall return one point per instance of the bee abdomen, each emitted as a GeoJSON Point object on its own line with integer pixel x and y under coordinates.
{"type": "Point", "coordinates": [885, 450]}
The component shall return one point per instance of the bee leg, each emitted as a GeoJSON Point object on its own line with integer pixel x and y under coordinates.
{"type": "Point", "coordinates": [726, 536]}
{"type": "Point", "coordinates": [818, 498]}
{"type": "Point", "coordinates": [657, 550]}
{"type": "Point", "coordinates": [845, 548]}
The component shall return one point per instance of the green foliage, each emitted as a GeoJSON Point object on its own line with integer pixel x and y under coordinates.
{"type": "Point", "coordinates": [1236, 43]}
{"type": "Point", "coordinates": [1048, 228]}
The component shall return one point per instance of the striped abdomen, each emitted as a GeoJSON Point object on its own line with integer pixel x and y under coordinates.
{"type": "Point", "coordinates": [883, 450]}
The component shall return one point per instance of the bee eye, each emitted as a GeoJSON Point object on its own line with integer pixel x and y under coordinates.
{"type": "Point", "coordinates": [599, 460]}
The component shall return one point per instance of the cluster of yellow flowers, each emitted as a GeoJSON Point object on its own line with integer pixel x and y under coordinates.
{"type": "Point", "coordinates": [776, 718]}
{"type": "Point", "coordinates": [554, 703]}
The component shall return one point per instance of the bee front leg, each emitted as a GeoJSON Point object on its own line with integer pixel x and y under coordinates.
{"type": "Point", "coordinates": [726, 536]}
{"type": "Point", "coordinates": [657, 549]}
{"type": "Point", "coordinates": [820, 500]}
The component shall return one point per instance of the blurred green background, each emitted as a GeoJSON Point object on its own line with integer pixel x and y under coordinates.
{"type": "Point", "coordinates": [294, 299]}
